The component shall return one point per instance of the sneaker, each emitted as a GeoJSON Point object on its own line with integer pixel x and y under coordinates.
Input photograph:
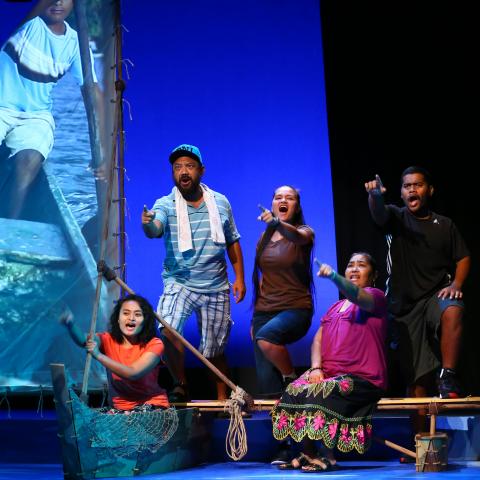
{"type": "Point", "coordinates": [447, 383]}
{"type": "Point", "coordinates": [284, 455]}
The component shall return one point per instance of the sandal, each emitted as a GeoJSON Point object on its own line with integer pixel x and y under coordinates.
{"type": "Point", "coordinates": [325, 465]}
{"type": "Point", "coordinates": [296, 463]}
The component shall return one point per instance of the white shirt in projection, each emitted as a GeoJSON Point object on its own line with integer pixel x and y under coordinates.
{"type": "Point", "coordinates": [32, 61]}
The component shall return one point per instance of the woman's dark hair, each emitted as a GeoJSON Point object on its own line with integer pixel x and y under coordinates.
{"type": "Point", "coordinates": [148, 331]}
{"type": "Point", "coordinates": [370, 259]}
{"type": "Point", "coordinates": [297, 220]}
{"type": "Point", "coordinates": [416, 169]}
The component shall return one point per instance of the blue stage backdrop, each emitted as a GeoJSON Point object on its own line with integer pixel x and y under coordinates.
{"type": "Point", "coordinates": [243, 80]}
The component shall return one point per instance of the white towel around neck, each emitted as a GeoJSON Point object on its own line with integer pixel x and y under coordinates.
{"type": "Point", "coordinates": [183, 222]}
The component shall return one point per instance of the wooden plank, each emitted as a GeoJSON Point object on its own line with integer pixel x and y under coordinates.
{"type": "Point", "coordinates": [219, 405]}
{"type": "Point", "coordinates": [66, 427]}
{"type": "Point", "coordinates": [428, 400]}
{"type": "Point", "coordinates": [395, 446]}
{"type": "Point", "coordinates": [431, 406]}
{"type": "Point", "coordinates": [436, 404]}
{"type": "Point", "coordinates": [35, 243]}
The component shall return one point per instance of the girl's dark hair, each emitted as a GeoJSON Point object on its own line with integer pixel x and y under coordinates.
{"type": "Point", "coordinates": [370, 259]}
{"type": "Point", "coordinates": [148, 331]}
{"type": "Point", "coordinates": [416, 169]}
{"type": "Point", "coordinates": [305, 276]}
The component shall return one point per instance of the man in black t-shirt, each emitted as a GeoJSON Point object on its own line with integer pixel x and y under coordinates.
{"type": "Point", "coordinates": [428, 263]}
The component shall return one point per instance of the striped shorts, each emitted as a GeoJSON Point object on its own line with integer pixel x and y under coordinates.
{"type": "Point", "coordinates": [212, 310]}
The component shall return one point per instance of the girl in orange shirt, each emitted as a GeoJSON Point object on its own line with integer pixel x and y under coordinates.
{"type": "Point", "coordinates": [131, 353]}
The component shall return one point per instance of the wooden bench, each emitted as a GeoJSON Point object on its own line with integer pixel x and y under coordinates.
{"type": "Point", "coordinates": [431, 447]}
{"type": "Point", "coordinates": [434, 406]}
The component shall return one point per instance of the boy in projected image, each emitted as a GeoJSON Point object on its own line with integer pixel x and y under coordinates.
{"type": "Point", "coordinates": [32, 61]}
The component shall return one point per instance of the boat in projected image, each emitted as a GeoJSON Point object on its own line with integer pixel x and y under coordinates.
{"type": "Point", "coordinates": [46, 266]}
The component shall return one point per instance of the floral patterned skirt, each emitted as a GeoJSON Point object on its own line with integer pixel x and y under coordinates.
{"type": "Point", "coordinates": [337, 411]}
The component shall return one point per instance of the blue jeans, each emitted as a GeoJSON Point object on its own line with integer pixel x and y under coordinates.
{"type": "Point", "coordinates": [279, 328]}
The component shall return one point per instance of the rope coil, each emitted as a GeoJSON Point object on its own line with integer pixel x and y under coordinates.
{"type": "Point", "coordinates": [236, 439]}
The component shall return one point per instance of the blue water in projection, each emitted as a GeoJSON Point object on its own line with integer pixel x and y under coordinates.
{"type": "Point", "coordinates": [70, 157]}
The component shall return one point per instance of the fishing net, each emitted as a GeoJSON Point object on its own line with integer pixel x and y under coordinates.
{"type": "Point", "coordinates": [129, 433]}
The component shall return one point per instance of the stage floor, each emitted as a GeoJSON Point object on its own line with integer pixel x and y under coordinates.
{"type": "Point", "coordinates": [261, 471]}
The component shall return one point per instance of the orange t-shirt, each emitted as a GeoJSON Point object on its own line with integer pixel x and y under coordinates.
{"type": "Point", "coordinates": [127, 394]}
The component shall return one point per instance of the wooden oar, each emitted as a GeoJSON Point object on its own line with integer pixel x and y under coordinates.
{"type": "Point", "coordinates": [109, 275]}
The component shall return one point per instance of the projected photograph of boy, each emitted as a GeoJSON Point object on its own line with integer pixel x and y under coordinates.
{"type": "Point", "coordinates": [32, 61]}
{"type": "Point", "coordinates": [48, 187]}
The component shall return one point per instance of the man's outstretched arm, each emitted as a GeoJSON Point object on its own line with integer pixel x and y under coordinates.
{"type": "Point", "coordinates": [152, 227]}
{"type": "Point", "coordinates": [376, 204]}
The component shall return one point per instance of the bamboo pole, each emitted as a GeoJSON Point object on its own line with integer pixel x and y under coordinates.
{"type": "Point", "coordinates": [399, 448]}
{"type": "Point", "coordinates": [427, 400]}
{"type": "Point", "coordinates": [88, 93]}
{"type": "Point", "coordinates": [88, 87]}
{"type": "Point", "coordinates": [420, 406]}
{"type": "Point", "coordinates": [109, 274]}
{"type": "Point", "coordinates": [433, 424]}
{"type": "Point", "coordinates": [103, 199]}
{"type": "Point", "coordinates": [119, 89]}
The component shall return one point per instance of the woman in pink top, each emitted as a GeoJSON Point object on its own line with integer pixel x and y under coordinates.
{"type": "Point", "coordinates": [130, 352]}
{"type": "Point", "coordinates": [333, 400]}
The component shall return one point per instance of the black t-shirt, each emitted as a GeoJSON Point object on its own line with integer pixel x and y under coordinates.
{"type": "Point", "coordinates": [423, 256]}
